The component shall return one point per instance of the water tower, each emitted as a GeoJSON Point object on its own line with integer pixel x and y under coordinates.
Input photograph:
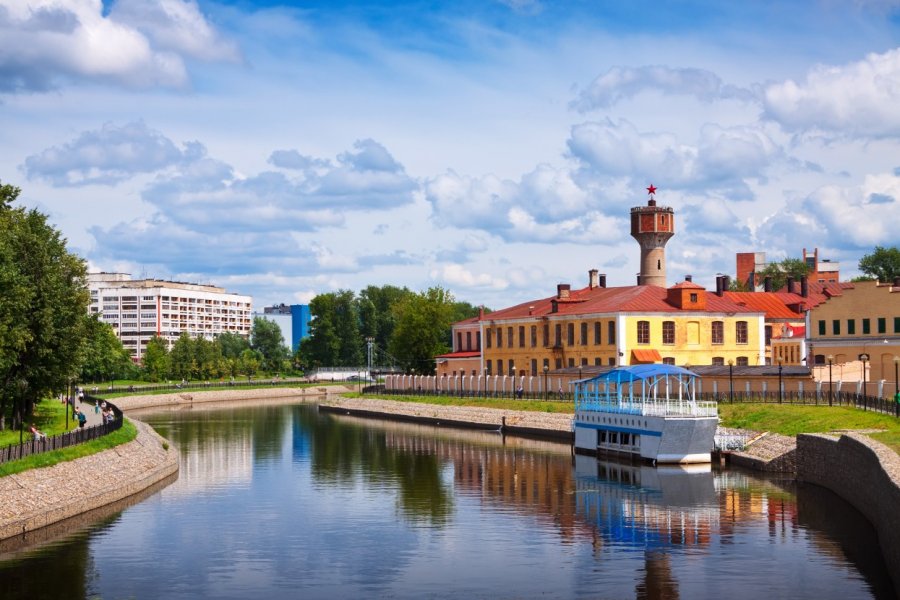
{"type": "Point", "coordinates": [652, 226]}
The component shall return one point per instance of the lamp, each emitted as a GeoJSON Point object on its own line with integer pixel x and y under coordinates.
{"type": "Point", "coordinates": [896, 386]}
{"type": "Point", "coordinates": [546, 371]}
{"type": "Point", "coordinates": [830, 360]}
{"type": "Point", "coordinates": [863, 358]}
{"type": "Point", "coordinates": [731, 379]}
{"type": "Point", "coordinates": [780, 383]}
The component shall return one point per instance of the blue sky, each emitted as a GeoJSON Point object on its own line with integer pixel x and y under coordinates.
{"type": "Point", "coordinates": [285, 149]}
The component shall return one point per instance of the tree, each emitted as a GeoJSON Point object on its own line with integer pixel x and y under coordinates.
{"type": "Point", "coordinates": [43, 300]}
{"type": "Point", "coordinates": [780, 271]}
{"type": "Point", "coordinates": [232, 344]}
{"type": "Point", "coordinates": [346, 325]}
{"type": "Point", "coordinates": [266, 339]}
{"type": "Point", "coordinates": [376, 316]}
{"type": "Point", "coordinates": [883, 264]}
{"type": "Point", "coordinates": [181, 357]}
{"type": "Point", "coordinates": [422, 322]}
{"type": "Point", "coordinates": [155, 360]}
{"type": "Point", "coordinates": [334, 338]}
{"type": "Point", "coordinates": [103, 356]}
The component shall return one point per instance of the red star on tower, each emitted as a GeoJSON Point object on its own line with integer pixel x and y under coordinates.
{"type": "Point", "coordinates": [651, 190]}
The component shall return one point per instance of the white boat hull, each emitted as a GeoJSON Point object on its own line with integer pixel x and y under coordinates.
{"type": "Point", "coordinates": [663, 439]}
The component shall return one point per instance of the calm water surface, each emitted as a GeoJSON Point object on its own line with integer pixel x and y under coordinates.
{"type": "Point", "coordinates": [284, 502]}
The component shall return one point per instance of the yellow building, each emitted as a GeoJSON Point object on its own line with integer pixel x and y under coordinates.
{"type": "Point", "coordinates": [862, 320]}
{"type": "Point", "coordinates": [683, 324]}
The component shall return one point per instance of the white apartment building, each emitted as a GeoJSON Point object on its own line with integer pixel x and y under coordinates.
{"type": "Point", "coordinates": [142, 308]}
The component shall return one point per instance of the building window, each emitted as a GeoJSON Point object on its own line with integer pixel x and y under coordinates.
{"type": "Point", "coordinates": [611, 361]}
{"type": "Point", "coordinates": [851, 327]}
{"type": "Point", "coordinates": [836, 327]}
{"type": "Point", "coordinates": [571, 362]}
{"type": "Point", "coordinates": [668, 332]}
{"type": "Point", "coordinates": [718, 361]}
{"type": "Point", "coordinates": [459, 345]}
{"type": "Point", "coordinates": [478, 340]}
{"type": "Point", "coordinates": [487, 338]}
{"type": "Point", "coordinates": [611, 333]}
{"type": "Point", "coordinates": [534, 336]}
{"type": "Point", "coordinates": [866, 326]}
{"type": "Point", "coordinates": [584, 334]}
{"type": "Point", "coordinates": [668, 360]}
{"type": "Point", "coordinates": [570, 334]}
{"type": "Point", "coordinates": [499, 337]}
{"type": "Point", "coordinates": [693, 298]}
{"type": "Point", "coordinates": [882, 325]}
{"type": "Point", "coordinates": [509, 337]}
{"type": "Point", "coordinates": [558, 335]}
{"type": "Point", "coordinates": [499, 367]}
{"type": "Point", "coordinates": [598, 361]}
{"type": "Point", "coordinates": [822, 326]}
{"type": "Point", "coordinates": [740, 332]}
{"type": "Point", "coordinates": [643, 332]}
{"type": "Point", "coordinates": [468, 340]}
{"type": "Point", "coordinates": [521, 336]}
{"type": "Point", "coordinates": [598, 332]}
{"type": "Point", "coordinates": [742, 361]}
{"type": "Point", "coordinates": [558, 363]}
{"type": "Point", "coordinates": [546, 366]}
{"type": "Point", "coordinates": [718, 332]}
{"type": "Point", "coordinates": [487, 367]}
{"type": "Point", "coordinates": [533, 367]}
{"type": "Point", "coordinates": [896, 324]}
{"type": "Point", "coordinates": [546, 334]}
{"type": "Point", "coordinates": [768, 334]}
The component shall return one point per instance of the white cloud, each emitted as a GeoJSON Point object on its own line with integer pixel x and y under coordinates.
{"type": "Point", "coordinates": [175, 25]}
{"type": "Point", "coordinates": [623, 83]}
{"type": "Point", "coordinates": [108, 155]}
{"type": "Point", "coordinates": [857, 99]}
{"type": "Point", "coordinates": [458, 276]}
{"type": "Point", "coordinates": [48, 42]}
{"type": "Point", "coordinates": [861, 216]}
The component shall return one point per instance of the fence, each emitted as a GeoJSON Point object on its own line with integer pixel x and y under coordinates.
{"type": "Point", "coordinates": [62, 440]}
{"type": "Point", "coordinates": [194, 385]}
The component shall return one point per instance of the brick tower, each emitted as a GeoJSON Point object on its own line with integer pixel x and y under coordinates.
{"type": "Point", "coordinates": [652, 226]}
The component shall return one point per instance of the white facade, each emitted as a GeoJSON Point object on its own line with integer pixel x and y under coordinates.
{"type": "Point", "coordinates": [143, 308]}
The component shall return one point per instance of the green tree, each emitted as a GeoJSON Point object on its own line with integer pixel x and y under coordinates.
{"type": "Point", "coordinates": [883, 264]}
{"type": "Point", "coordinates": [422, 322]}
{"type": "Point", "coordinates": [323, 346]}
{"type": "Point", "coordinates": [103, 356]}
{"type": "Point", "coordinates": [44, 299]}
{"type": "Point", "coordinates": [780, 271]}
{"type": "Point", "coordinates": [249, 362]}
{"type": "Point", "coordinates": [181, 357]}
{"type": "Point", "coordinates": [346, 325]}
{"type": "Point", "coordinates": [155, 360]}
{"type": "Point", "coordinates": [207, 359]}
{"type": "Point", "coordinates": [375, 306]}
{"type": "Point", "coordinates": [232, 344]}
{"type": "Point", "coordinates": [266, 339]}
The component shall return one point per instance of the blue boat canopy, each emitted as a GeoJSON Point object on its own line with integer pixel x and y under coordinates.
{"type": "Point", "coordinates": [637, 372]}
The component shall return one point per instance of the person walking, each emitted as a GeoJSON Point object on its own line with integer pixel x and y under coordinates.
{"type": "Point", "coordinates": [82, 418]}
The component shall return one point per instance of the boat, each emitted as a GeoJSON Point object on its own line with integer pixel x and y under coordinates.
{"type": "Point", "coordinates": [646, 411]}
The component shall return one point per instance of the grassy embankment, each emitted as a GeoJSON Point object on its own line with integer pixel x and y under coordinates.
{"type": "Point", "coordinates": [200, 389]}
{"type": "Point", "coordinates": [786, 419]}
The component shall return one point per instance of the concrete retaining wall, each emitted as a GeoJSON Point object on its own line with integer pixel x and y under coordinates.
{"type": "Point", "coordinates": [127, 403]}
{"type": "Point", "coordinates": [866, 474]}
{"type": "Point", "coordinates": [40, 497]}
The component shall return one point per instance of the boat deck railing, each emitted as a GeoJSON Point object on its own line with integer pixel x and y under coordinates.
{"type": "Point", "coordinates": [650, 408]}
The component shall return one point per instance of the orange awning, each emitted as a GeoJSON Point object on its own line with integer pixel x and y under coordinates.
{"type": "Point", "coordinates": [642, 357]}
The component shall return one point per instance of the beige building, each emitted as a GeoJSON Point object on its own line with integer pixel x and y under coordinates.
{"type": "Point", "coordinates": [139, 309]}
{"type": "Point", "coordinates": [859, 324]}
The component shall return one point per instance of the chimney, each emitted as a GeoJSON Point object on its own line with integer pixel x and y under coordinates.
{"type": "Point", "coordinates": [689, 278]}
{"type": "Point", "coordinates": [804, 287]}
{"type": "Point", "coordinates": [639, 279]}
{"type": "Point", "coordinates": [562, 291]}
{"type": "Point", "coordinates": [718, 285]}
{"type": "Point", "coordinates": [767, 284]}
{"type": "Point", "coordinates": [592, 279]}
{"type": "Point", "coordinates": [726, 283]}
{"type": "Point", "coordinates": [481, 313]}
{"type": "Point", "coordinates": [602, 280]}
{"type": "Point", "coordinates": [790, 285]}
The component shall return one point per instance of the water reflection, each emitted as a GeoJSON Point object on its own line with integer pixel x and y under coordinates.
{"type": "Point", "coordinates": [281, 501]}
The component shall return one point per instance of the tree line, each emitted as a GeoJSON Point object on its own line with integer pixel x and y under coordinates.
{"type": "Point", "coordinates": [408, 329]}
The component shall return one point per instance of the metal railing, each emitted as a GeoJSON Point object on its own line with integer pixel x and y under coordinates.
{"type": "Point", "coordinates": [62, 440]}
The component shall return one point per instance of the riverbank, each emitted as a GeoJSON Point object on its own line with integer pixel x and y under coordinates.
{"type": "Point", "coordinates": [34, 499]}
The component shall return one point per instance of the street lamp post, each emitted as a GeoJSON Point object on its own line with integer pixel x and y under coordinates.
{"type": "Point", "coordinates": [546, 372]}
{"type": "Point", "coordinates": [512, 372]}
{"type": "Point", "coordinates": [897, 386]}
{"type": "Point", "coordinates": [864, 357]}
{"type": "Point", "coordinates": [830, 381]}
{"type": "Point", "coordinates": [780, 380]}
{"type": "Point", "coordinates": [731, 379]}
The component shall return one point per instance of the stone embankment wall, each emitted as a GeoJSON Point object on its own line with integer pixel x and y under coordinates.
{"type": "Point", "coordinates": [127, 403]}
{"type": "Point", "coordinates": [39, 497]}
{"type": "Point", "coordinates": [866, 474]}
{"type": "Point", "coordinates": [542, 424]}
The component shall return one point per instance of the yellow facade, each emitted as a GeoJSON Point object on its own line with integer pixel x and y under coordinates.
{"type": "Point", "coordinates": [864, 319]}
{"type": "Point", "coordinates": [624, 339]}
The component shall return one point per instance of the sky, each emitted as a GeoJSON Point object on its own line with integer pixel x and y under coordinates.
{"type": "Point", "coordinates": [491, 147]}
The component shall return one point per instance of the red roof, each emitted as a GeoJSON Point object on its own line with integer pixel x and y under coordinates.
{"type": "Point", "coordinates": [466, 354]}
{"type": "Point", "coordinates": [635, 298]}
{"type": "Point", "coordinates": [776, 305]}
